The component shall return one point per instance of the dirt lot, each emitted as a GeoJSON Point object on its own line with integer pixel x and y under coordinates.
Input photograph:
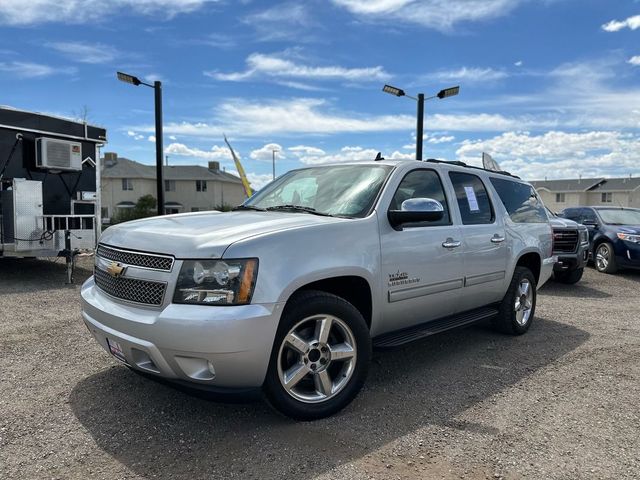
{"type": "Point", "coordinates": [559, 402]}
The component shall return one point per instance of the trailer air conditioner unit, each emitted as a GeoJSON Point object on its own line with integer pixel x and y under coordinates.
{"type": "Point", "coordinates": [52, 154]}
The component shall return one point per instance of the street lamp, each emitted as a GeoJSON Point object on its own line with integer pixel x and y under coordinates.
{"type": "Point", "coordinates": [398, 92]}
{"type": "Point", "coordinates": [157, 87]}
{"type": "Point", "coordinates": [273, 161]}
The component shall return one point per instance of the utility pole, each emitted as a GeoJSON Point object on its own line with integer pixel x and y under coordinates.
{"type": "Point", "coordinates": [157, 87]}
{"type": "Point", "coordinates": [420, 126]}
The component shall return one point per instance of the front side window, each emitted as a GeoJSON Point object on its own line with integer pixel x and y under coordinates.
{"type": "Point", "coordinates": [421, 184]}
{"type": "Point", "coordinates": [473, 200]}
{"type": "Point", "coordinates": [344, 191]}
{"type": "Point", "coordinates": [560, 198]}
{"type": "Point", "coordinates": [201, 185]}
{"type": "Point", "coordinates": [127, 184]}
{"type": "Point", "coordinates": [520, 200]}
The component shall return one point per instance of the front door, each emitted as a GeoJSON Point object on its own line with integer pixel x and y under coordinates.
{"type": "Point", "coordinates": [422, 262]}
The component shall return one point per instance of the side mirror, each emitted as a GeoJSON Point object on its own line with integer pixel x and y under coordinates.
{"type": "Point", "coordinates": [590, 223]}
{"type": "Point", "coordinates": [416, 210]}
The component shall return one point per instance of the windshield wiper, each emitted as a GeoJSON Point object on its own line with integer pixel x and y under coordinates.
{"type": "Point", "coordinates": [249, 207]}
{"type": "Point", "coordinates": [299, 208]}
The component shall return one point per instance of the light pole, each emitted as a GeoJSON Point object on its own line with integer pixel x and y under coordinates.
{"type": "Point", "coordinates": [273, 162]}
{"type": "Point", "coordinates": [157, 87]}
{"type": "Point", "coordinates": [398, 92]}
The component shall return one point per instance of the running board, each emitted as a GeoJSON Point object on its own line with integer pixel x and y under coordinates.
{"type": "Point", "coordinates": [400, 337]}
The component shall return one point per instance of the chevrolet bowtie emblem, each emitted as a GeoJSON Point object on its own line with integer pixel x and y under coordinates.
{"type": "Point", "coordinates": [116, 269]}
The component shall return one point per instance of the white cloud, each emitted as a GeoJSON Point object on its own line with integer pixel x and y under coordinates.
{"type": "Point", "coordinates": [216, 152]}
{"type": "Point", "coordinates": [266, 152]}
{"type": "Point", "coordinates": [635, 60]}
{"type": "Point", "coordinates": [437, 14]}
{"type": "Point", "coordinates": [19, 12]}
{"type": "Point", "coordinates": [282, 22]}
{"type": "Point", "coordinates": [306, 150]}
{"type": "Point", "coordinates": [173, 137]}
{"type": "Point", "coordinates": [468, 74]}
{"type": "Point", "coordinates": [134, 135]}
{"type": "Point", "coordinates": [29, 69]}
{"type": "Point", "coordinates": [151, 138]}
{"type": "Point", "coordinates": [558, 154]}
{"type": "Point", "coordinates": [346, 154]}
{"type": "Point", "coordinates": [259, 64]}
{"type": "Point", "coordinates": [519, 63]}
{"type": "Point", "coordinates": [257, 180]}
{"type": "Point", "coordinates": [93, 53]}
{"type": "Point", "coordinates": [631, 23]}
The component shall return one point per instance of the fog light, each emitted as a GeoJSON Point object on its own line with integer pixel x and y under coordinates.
{"type": "Point", "coordinates": [211, 369]}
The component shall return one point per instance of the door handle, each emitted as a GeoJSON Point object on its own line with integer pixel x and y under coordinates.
{"type": "Point", "coordinates": [451, 243]}
{"type": "Point", "coordinates": [497, 239]}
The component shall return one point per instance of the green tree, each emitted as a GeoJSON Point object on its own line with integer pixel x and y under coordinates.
{"type": "Point", "coordinates": [145, 207]}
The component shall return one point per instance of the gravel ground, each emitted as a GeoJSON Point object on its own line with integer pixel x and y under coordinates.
{"type": "Point", "coordinates": [560, 402]}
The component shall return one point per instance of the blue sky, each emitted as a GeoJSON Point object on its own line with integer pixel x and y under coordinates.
{"type": "Point", "coordinates": [549, 88]}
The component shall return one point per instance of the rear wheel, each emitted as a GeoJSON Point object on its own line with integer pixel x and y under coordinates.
{"type": "Point", "coordinates": [519, 304]}
{"type": "Point", "coordinates": [569, 277]}
{"type": "Point", "coordinates": [605, 258]}
{"type": "Point", "coordinates": [320, 357]}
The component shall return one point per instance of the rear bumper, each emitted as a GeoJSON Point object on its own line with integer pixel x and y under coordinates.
{"type": "Point", "coordinates": [546, 270]}
{"type": "Point", "coordinates": [221, 347]}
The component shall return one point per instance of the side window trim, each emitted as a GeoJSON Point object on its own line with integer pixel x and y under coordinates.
{"type": "Point", "coordinates": [447, 204]}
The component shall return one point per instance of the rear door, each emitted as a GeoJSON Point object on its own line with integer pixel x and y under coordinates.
{"type": "Point", "coordinates": [422, 262]}
{"type": "Point", "coordinates": [484, 246]}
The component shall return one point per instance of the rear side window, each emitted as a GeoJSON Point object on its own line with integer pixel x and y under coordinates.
{"type": "Point", "coordinates": [520, 201]}
{"type": "Point", "coordinates": [473, 200]}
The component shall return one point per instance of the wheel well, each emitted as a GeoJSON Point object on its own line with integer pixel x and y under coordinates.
{"type": "Point", "coordinates": [532, 261]}
{"type": "Point", "coordinates": [355, 290]}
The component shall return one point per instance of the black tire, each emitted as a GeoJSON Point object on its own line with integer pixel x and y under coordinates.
{"type": "Point", "coordinates": [606, 249]}
{"type": "Point", "coordinates": [507, 319]}
{"type": "Point", "coordinates": [570, 276]}
{"type": "Point", "coordinates": [302, 307]}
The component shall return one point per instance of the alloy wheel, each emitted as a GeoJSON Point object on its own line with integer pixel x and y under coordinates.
{"type": "Point", "coordinates": [317, 358]}
{"type": "Point", "coordinates": [523, 302]}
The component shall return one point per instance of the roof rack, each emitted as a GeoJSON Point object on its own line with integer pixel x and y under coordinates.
{"type": "Point", "coordinates": [462, 164]}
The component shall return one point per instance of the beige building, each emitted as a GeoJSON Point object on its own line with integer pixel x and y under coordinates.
{"type": "Point", "coordinates": [188, 188]}
{"type": "Point", "coordinates": [617, 192]}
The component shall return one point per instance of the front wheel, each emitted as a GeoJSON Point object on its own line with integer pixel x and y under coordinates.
{"type": "Point", "coordinates": [320, 357]}
{"type": "Point", "coordinates": [606, 258]}
{"type": "Point", "coordinates": [519, 304]}
{"type": "Point", "coordinates": [570, 277]}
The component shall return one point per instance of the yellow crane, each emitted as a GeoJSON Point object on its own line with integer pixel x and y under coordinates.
{"type": "Point", "coordinates": [243, 176]}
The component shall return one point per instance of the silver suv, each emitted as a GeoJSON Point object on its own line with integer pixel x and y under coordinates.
{"type": "Point", "coordinates": [290, 292]}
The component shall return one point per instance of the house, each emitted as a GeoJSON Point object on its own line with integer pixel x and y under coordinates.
{"type": "Point", "coordinates": [188, 188]}
{"type": "Point", "coordinates": [561, 194]}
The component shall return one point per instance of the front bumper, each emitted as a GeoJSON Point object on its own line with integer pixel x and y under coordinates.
{"type": "Point", "coordinates": [627, 254]}
{"type": "Point", "coordinates": [217, 346]}
{"type": "Point", "coordinates": [572, 261]}
{"type": "Point", "coordinates": [546, 270]}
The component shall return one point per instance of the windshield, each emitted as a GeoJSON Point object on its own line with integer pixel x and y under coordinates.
{"type": "Point", "coordinates": [620, 216]}
{"type": "Point", "coordinates": [343, 191]}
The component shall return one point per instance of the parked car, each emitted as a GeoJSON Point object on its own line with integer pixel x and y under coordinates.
{"type": "Point", "coordinates": [290, 292]}
{"type": "Point", "coordinates": [614, 235]}
{"type": "Point", "coordinates": [571, 245]}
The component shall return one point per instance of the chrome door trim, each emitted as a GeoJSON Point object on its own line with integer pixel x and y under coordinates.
{"type": "Point", "coordinates": [484, 278]}
{"type": "Point", "coordinates": [415, 292]}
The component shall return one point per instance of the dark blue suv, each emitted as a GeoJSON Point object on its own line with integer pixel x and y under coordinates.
{"type": "Point", "coordinates": [614, 235]}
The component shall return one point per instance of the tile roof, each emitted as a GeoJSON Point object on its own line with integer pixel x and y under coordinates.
{"type": "Point", "coordinates": [571, 185]}
{"type": "Point", "coordinates": [126, 168]}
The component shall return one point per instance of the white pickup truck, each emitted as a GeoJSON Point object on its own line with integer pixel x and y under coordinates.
{"type": "Point", "coordinates": [290, 292]}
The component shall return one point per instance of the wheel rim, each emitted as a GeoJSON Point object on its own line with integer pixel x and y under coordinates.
{"type": "Point", "coordinates": [524, 302]}
{"type": "Point", "coordinates": [602, 257]}
{"type": "Point", "coordinates": [317, 358]}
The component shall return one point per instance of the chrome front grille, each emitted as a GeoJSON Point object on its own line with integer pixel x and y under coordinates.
{"type": "Point", "coordinates": [131, 289]}
{"type": "Point", "coordinates": [144, 260]}
{"type": "Point", "coordinates": [565, 241]}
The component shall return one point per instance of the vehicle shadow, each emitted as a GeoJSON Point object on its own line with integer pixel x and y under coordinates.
{"type": "Point", "coordinates": [25, 275]}
{"type": "Point", "coordinates": [158, 431]}
{"type": "Point", "coordinates": [579, 290]}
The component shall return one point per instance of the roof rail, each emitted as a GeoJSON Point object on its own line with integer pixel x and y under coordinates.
{"type": "Point", "coordinates": [462, 164]}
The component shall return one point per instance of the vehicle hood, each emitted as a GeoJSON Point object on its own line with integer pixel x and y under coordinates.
{"type": "Point", "coordinates": [558, 222]}
{"type": "Point", "coordinates": [205, 234]}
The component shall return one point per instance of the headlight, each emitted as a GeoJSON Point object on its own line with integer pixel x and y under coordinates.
{"type": "Point", "coordinates": [629, 237]}
{"type": "Point", "coordinates": [216, 282]}
{"type": "Point", "coordinates": [584, 236]}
